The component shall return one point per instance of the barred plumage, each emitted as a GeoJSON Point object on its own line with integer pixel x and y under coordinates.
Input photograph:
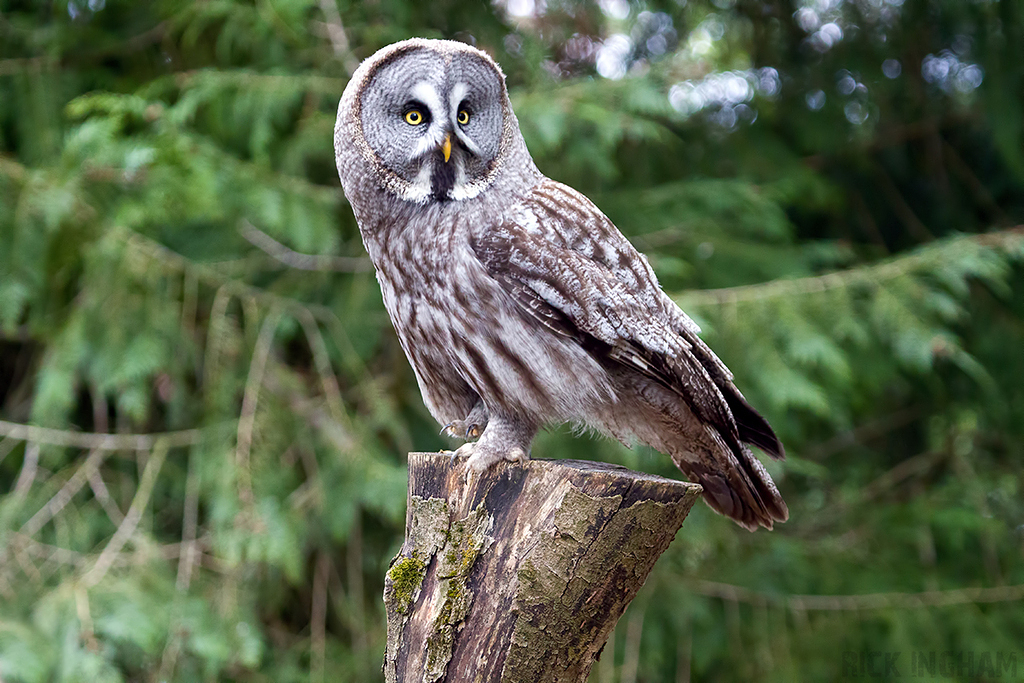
{"type": "Point", "coordinates": [517, 302]}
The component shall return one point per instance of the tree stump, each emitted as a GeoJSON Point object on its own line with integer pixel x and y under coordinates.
{"type": "Point", "coordinates": [518, 574]}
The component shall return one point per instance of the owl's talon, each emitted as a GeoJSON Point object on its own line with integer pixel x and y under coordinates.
{"type": "Point", "coordinates": [464, 451]}
{"type": "Point", "coordinates": [462, 429]}
{"type": "Point", "coordinates": [483, 458]}
{"type": "Point", "coordinates": [519, 455]}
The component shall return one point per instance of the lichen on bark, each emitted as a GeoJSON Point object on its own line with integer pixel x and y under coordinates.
{"type": "Point", "coordinates": [466, 539]}
{"type": "Point", "coordinates": [427, 532]}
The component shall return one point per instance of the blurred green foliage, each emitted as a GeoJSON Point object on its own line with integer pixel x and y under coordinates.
{"type": "Point", "coordinates": [833, 189]}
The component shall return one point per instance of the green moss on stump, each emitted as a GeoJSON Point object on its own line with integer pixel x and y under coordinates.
{"type": "Point", "coordinates": [406, 575]}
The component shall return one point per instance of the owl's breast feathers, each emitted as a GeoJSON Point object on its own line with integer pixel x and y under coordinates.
{"type": "Point", "coordinates": [568, 268]}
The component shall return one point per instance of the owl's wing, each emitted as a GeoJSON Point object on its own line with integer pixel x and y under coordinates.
{"type": "Point", "coordinates": [571, 270]}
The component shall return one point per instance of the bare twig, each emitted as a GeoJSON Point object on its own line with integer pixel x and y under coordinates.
{"type": "Point", "coordinates": [28, 470]}
{"type": "Point", "coordinates": [873, 429]}
{"type": "Point", "coordinates": [919, 464]}
{"type": "Point", "coordinates": [684, 655]}
{"type": "Point", "coordinates": [189, 524]}
{"type": "Point", "coordinates": [247, 418]}
{"type": "Point", "coordinates": [131, 520]}
{"type": "Point", "coordinates": [631, 653]}
{"type": "Point", "coordinates": [8, 166]}
{"type": "Point", "coordinates": [322, 361]}
{"type": "Point", "coordinates": [215, 334]}
{"type": "Point", "coordinates": [170, 261]}
{"type": "Point", "coordinates": [356, 588]}
{"type": "Point", "coordinates": [65, 494]}
{"type": "Point", "coordinates": [294, 259]}
{"type": "Point", "coordinates": [100, 409]}
{"type": "Point", "coordinates": [977, 188]}
{"type": "Point", "coordinates": [85, 617]}
{"type": "Point", "coordinates": [102, 442]}
{"type": "Point", "coordinates": [336, 32]}
{"type": "Point", "coordinates": [169, 658]}
{"type": "Point", "coordinates": [24, 545]}
{"type": "Point", "coordinates": [99, 489]}
{"type": "Point", "coordinates": [21, 544]}
{"type": "Point", "coordinates": [318, 618]}
{"type": "Point", "coordinates": [901, 208]}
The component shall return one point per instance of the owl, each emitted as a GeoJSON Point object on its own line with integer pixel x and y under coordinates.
{"type": "Point", "coordinates": [517, 302]}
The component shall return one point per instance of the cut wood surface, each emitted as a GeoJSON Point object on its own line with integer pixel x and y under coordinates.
{"type": "Point", "coordinates": [519, 573]}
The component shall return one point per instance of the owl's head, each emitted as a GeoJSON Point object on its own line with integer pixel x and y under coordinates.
{"type": "Point", "coordinates": [430, 117]}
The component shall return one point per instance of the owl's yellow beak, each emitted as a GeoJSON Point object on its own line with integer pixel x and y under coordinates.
{"type": "Point", "coordinates": [446, 147]}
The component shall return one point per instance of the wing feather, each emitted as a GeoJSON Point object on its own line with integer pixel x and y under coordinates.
{"type": "Point", "coordinates": [593, 286]}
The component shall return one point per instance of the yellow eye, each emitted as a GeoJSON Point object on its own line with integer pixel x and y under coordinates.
{"type": "Point", "coordinates": [462, 117]}
{"type": "Point", "coordinates": [414, 117]}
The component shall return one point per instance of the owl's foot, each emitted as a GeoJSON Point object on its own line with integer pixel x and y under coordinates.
{"type": "Point", "coordinates": [483, 457]}
{"type": "Point", "coordinates": [503, 439]}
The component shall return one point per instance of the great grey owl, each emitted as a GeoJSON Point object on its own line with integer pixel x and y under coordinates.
{"type": "Point", "coordinates": [516, 300]}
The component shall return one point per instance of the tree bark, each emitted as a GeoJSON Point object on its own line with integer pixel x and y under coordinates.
{"type": "Point", "coordinates": [518, 574]}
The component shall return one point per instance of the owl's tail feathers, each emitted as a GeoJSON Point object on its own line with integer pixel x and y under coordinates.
{"type": "Point", "coordinates": [753, 428]}
{"type": "Point", "coordinates": [735, 485]}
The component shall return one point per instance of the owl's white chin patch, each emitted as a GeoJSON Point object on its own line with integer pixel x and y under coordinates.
{"type": "Point", "coordinates": [417, 190]}
{"type": "Point", "coordinates": [467, 190]}
{"type": "Point", "coordinates": [420, 190]}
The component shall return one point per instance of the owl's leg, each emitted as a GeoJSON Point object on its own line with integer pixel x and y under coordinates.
{"type": "Point", "coordinates": [472, 427]}
{"type": "Point", "coordinates": [504, 438]}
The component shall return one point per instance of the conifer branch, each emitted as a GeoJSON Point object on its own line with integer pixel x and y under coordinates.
{"type": "Point", "coordinates": [242, 77]}
{"type": "Point", "coordinates": [889, 269]}
{"type": "Point", "coordinates": [171, 261]}
{"type": "Point", "coordinates": [868, 601]}
{"type": "Point", "coordinates": [9, 67]}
